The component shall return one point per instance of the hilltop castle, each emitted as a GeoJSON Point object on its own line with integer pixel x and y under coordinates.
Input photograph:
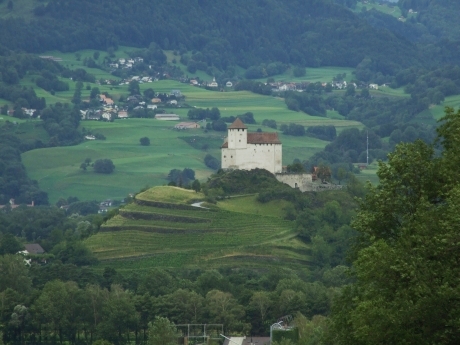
{"type": "Point", "coordinates": [247, 151]}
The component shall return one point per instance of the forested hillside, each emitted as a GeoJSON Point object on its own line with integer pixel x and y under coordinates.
{"type": "Point", "coordinates": [311, 33]}
{"type": "Point", "coordinates": [432, 25]}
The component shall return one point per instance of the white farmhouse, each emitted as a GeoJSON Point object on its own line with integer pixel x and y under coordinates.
{"type": "Point", "coordinates": [247, 151]}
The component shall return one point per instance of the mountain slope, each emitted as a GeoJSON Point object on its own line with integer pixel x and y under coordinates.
{"type": "Point", "coordinates": [312, 32]}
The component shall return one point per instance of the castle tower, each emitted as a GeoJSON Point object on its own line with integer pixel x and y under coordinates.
{"type": "Point", "coordinates": [237, 135]}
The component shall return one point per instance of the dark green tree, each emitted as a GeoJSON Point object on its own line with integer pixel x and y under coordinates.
{"type": "Point", "coordinates": [103, 166]}
{"type": "Point", "coordinates": [406, 270]}
{"type": "Point", "coordinates": [9, 244]}
{"type": "Point", "coordinates": [133, 87]}
{"type": "Point", "coordinates": [144, 141]}
{"type": "Point", "coordinates": [196, 186]}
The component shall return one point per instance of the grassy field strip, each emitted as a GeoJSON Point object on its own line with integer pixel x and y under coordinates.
{"type": "Point", "coordinates": [394, 11]}
{"type": "Point", "coordinates": [451, 101]}
{"type": "Point", "coordinates": [321, 74]}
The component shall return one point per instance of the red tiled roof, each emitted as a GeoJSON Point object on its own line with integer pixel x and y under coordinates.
{"type": "Point", "coordinates": [237, 124]}
{"type": "Point", "coordinates": [263, 138]}
{"type": "Point", "coordinates": [259, 138]}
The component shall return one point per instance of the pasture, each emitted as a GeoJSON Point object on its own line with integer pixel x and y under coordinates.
{"type": "Point", "coordinates": [390, 9]}
{"type": "Point", "coordinates": [171, 233]}
{"type": "Point", "coordinates": [57, 169]}
{"type": "Point", "coordinates": [313, 75]}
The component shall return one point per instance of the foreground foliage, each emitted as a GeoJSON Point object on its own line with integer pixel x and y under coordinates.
{"type": "Point", "coordinates": [407, 269]}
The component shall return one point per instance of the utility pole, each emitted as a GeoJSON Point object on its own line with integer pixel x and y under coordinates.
{"type": "Point", "coordinates": [367, 150]}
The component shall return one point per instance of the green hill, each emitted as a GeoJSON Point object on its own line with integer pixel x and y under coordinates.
{"type": "Point", "coordinates": [161, 229]}
{"type": "Point", "coordinates": [246, 33]}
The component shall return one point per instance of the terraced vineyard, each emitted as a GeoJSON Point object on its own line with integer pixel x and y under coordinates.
{"type": "Point", "coordinates": [162, 229]}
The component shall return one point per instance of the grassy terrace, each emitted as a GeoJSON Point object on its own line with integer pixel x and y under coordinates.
{"type": "Point", "coordinates": [175, 237]}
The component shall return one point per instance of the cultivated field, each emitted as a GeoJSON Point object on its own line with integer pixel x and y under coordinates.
{"type": "Point", "coordinates": [161, 229]}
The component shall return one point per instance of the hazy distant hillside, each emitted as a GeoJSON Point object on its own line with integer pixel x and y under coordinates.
{"type": "Point", "coordinates": [311, 33]}
{"type": "Point", "coordinates": [440, 17]}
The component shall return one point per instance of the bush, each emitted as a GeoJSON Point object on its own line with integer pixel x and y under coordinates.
{"type": "Point", "coordinates": [144, 141]}
{"type": "Point", "coordinates": [103, 166]}
{"type": "Point", "coordinates": [270, 123]}
{"type": "Point", "coordinates": [211, 162]}
{"type": "Point", "coordinates": [219, 126]}
{"type": "Point", "coordinates": [328, 133]}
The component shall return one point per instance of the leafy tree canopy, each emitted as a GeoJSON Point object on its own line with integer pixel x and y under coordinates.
{"type": "Point", "coordinates": [406, 265]}
{"type": "Point", "coordinates": [103, 166]}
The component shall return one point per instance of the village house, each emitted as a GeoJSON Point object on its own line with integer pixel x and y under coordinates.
{"type": "Point", "coordinates": [123, 114]}
{"type": "Point", "coordinates": [155, 100]}
{"type": "Point", "coordinates": [193, 82]}
{"type": "Point", "coordinates": [152, 106]}
{"type": "Point", "coordinates": [13, 205]}
{"type": "Point", "coordinates": [34, 248]}
{"type": "Point", "coordinates": [373, 86]}
{"type": "Point", "coordinates": [167, 117]}
{"type": "Point", "coordinates": [228, 84]}
{"type": "Point", "coordinates": [213, 83]}
{"type": "Point", "coordinates": [29, 112]}
{"type": "Point", "coordinates": [175, 93]}
{"type": "Point", "coordinates": [105, 100]}
{"type": "Point", "coordinates": [107, 116]}
{"type": "Point", "coordinates": [90, 137]}
{"type": "Point", "coordinates": [93, 115]}
{"type": "Point", "coordinates": [187, 125]}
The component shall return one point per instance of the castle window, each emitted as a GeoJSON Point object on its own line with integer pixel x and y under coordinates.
{"type": "Point", "coordinates": [240, 141]}
{"type": "Point", "coordinates": [231, 156]}
{"type": "Point", "coordinates": [225, 156]}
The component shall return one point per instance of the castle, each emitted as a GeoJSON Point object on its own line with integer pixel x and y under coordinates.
{"type": "Point", "coordinates": [247, 151]}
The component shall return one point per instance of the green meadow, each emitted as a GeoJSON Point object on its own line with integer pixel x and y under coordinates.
{"type": "Point", "coordinates": [438, 111]}
{"type": "Point", "coordinates": [394, 11]}
{"type": "Point", "coordinates": [57, 169]}
{"type": "Point", "coordinates": [313, 75]}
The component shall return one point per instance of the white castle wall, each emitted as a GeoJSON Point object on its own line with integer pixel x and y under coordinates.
{"type": "Point", "coordinates": [262, 156]}
{"type": "Point", "coordinates": [301, 181]}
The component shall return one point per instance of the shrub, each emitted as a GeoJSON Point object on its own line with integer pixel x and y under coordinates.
{"type": "Point", "coordinates": [103, 166]}
{"type": "Point", "coordinates": [211, 162]}
{"type": "Point", "coordinates": [144, 141]}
